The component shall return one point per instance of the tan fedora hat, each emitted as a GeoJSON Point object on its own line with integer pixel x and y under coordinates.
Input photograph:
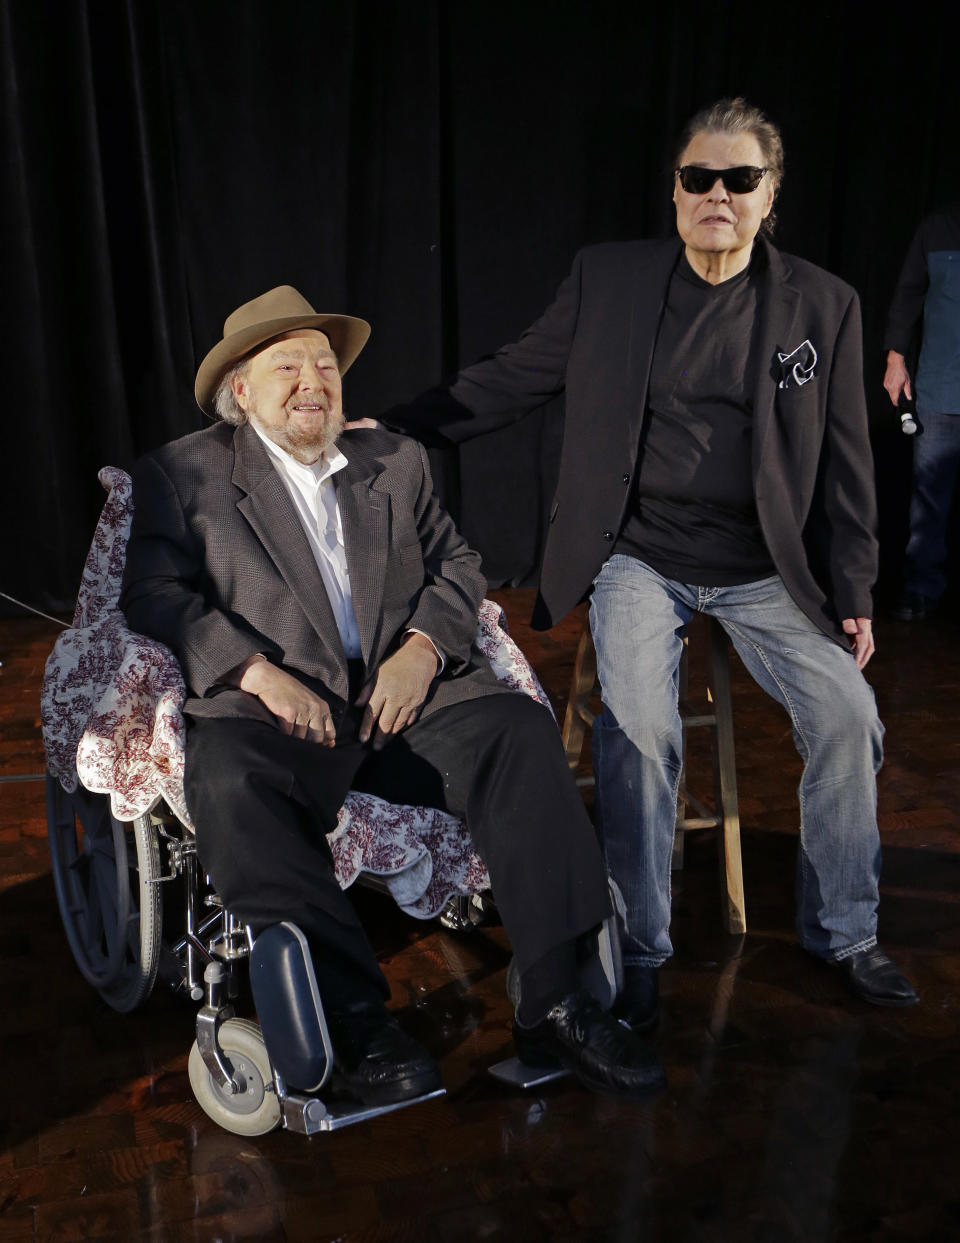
{"type": "Point", "coordinates": [273, 313]}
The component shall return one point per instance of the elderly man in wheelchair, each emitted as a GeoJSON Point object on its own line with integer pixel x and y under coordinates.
{"type": "Point", "coordinates": [324, 610]}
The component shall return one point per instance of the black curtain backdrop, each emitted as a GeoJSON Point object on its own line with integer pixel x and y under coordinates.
{"type": "Point", "coordinates": [430, 166]}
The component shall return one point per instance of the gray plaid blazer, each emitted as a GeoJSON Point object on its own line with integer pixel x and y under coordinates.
{"type": "Point", "coordinates": [218, 568]}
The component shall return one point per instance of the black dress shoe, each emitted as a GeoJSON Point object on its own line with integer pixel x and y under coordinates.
{"type": "Point", "coordinates": [375, 1058]}
{"type": "Point", "coordinates": [638, 1004]}
{"type": "Point", "coordinates": [914, 607]}
{"type": "Point", "coordinates": [578, 1034]}
{"type": "Point", "coordinates": [873, 977]}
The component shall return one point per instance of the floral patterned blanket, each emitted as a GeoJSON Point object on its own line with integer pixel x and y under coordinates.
{"type": "Point", "coordinates": [111, 717]}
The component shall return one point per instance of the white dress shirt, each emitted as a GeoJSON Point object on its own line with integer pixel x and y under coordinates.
{"type": "Point", "coordinates": [315, 499]}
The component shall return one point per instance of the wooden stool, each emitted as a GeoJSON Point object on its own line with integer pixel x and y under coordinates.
{"type": "Point", "coordinates": [719, 718]}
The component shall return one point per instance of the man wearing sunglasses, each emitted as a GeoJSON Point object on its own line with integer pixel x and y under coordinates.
{"type": "Point", "coordinates": [715, 459]}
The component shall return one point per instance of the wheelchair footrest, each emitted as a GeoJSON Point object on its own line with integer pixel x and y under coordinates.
{"type": "Point", "coordinates": [309, 1115]}
{"type": "Point", "coordinates": [519, 1075]}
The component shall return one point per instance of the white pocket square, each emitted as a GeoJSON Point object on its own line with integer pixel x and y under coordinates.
{"type": "Point", "coordinates": [799, 366]}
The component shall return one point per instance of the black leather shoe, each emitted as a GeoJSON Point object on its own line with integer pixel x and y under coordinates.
{"type": "Point", "coordinates": [914, 607]}
{"type": "Point", "coordinates": [377, 1061]}
{"type": "Point", "coordinates": [638, 1004]}
{"type": "Point", "coordinates": [578, 1034]}
{"type": "Point", "coordinates": [873, 977]}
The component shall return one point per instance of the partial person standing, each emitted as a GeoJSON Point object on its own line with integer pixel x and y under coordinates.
{"type": "Point", "coordinates": [926, 306]}
{"type": "Point", "coordinates": [715, 459]}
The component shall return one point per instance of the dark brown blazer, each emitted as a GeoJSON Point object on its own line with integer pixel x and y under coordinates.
{"type": "Point", "coordinates": [812, 463]}
{"type": "Point", "coordinates": [218, 568]}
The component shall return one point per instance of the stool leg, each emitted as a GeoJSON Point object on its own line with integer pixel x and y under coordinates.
{"type": "Point", "coordinates": [582, 685]}
{"type": "Point", "coordinates": [679, 837]}
{"type": "Point", "coordinates": [725, 770]}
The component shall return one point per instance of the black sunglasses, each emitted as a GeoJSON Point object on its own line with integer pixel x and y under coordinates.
{"type": "Point", "coordinates": [739, 180]}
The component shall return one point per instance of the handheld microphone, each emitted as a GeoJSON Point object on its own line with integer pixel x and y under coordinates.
{"type": "Point", "coordinates": [907, 409]}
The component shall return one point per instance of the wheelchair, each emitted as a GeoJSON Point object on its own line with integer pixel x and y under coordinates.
{"type": "Point", "coordinates": [137, 907]}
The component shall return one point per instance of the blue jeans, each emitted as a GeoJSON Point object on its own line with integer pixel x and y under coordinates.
{"type": "Point", "coordinates": [637, 617]}
{"type": "Point", "coordinates": [936, 460]}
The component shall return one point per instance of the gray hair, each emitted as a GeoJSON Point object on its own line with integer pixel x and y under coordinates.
{"type": "Point", "coordinates": [224, 401]}
{"type": "Point", "coordinates": [736, 116]}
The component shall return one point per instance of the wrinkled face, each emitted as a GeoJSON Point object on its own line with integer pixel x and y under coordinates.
{"type": "Point", "coordinates": [718, 221]}
{"type": "Point", "coordinates": [291, 391]}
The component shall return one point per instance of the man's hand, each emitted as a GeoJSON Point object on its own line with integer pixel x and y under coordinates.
{"type": "Point", "coordinates": [298, 710]}
{"type": "Point", "coordinates": [394, 696]}
{"type": "Point", "coordinates": [896, 379]}
{"type": "Point", "coordinates": [351, 425]}
{"type": "Point", "coordinates": [861, 631]}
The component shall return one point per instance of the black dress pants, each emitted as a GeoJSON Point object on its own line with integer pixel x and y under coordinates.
{"type": "Point", "coordinates": [263, 802]}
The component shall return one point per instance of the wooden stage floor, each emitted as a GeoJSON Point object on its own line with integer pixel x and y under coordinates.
{"type": "Point", "coordinates": [793, 1111]}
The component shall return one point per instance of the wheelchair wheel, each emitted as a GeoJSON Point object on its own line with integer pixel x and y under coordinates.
{"type": "Point", "coordinates": [254, 1110]}
{"type": "Point", "coordinates": [105, 874]}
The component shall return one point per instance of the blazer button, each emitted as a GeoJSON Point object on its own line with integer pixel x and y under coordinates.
{"type": "Point", "coordinates": [625, 479]}
{"type": "Point", "coordinates": [608, 535]}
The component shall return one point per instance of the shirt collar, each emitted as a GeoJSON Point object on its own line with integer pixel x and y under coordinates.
{"type": "Point", "coordinates": [327, 464]}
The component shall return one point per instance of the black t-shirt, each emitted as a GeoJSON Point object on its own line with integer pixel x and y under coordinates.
{"type": "Point", "coordinates": [693, 515]}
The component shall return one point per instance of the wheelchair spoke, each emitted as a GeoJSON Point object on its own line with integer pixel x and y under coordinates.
{"type": "Point", "coordinates": [103, 896]}
{"type": "Point", "coordinates": [90, 925]}
{"type": "Point", "coordinates": [78, 878]}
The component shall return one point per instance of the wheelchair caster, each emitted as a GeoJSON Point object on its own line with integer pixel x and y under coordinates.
{"type": "Point", "coordinates": [253, 1109]}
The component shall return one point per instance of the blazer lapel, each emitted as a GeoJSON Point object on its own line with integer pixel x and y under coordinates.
{"type": "Point", "coordinates": [648, 295]}
{"type": "Point", "coordinates": [268, 509]}
{"type": "Point", "coordinates": [778, 316]}
{"type": "Point", "coordinates": [365, 515]}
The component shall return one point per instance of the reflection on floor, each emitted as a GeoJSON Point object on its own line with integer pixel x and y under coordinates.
{"type": "Point", "coordinates": [793, 1111]}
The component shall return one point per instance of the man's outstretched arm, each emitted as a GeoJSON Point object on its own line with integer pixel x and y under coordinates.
{"type": "Point", "coordinates": [505, 386]}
